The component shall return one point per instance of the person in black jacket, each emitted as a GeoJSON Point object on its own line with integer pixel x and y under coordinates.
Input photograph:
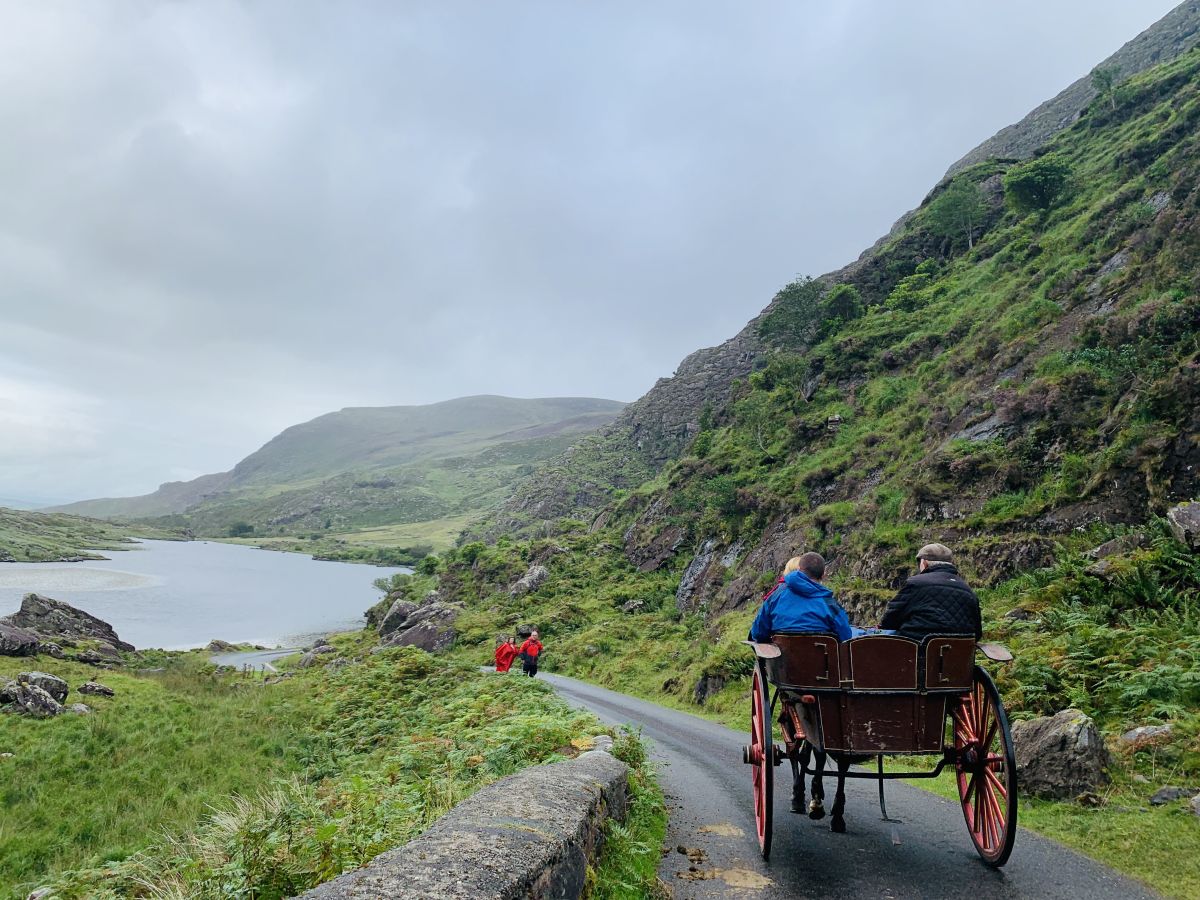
{"type": "Point", "coordinates": [934, 601]}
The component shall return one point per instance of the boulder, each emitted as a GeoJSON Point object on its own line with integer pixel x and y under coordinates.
{"type": "Point", "coordinates": [313, 656]}
{"type": "Point", "coordinates": [1184, 520]}
{"type": "Point", "coordinates": [707, 686]}
{"type": "Point", "coordinates": [54, 619]}
{"type": "Point", "coordinates": [1194, 803]}
{"type": "Point", "coordinates": [16, 641]}
{"type": "Point", "coordinates": [96, 689]}
{"type": "Point", "coordinates": [219, 646]}
{"type": "Point", "coordinates": [633, 606]}
{"type": "Point", "coordinates": [1145, 736]}
{"type": "Point", "coordinates": [429, 627]}
{"type": "Point", "coordinates": [530, 581]}
{"type": "Point", "coordinates": [51, 649]}
{"type": "Point", "coordinates": [1118, 546]}
{"type": "Point", "coordinates": [1170, 794]}
{"type": "Point", "coordinates": [51, 684]}
{"type": "Point", "coordinates": [80, 709]}
{"type": "Point", "coordinates": [28, 699]}
{"type": "Point", "coordinates": [1019, 614]}
{"type": "Point", "coordinates": [396, 616]}
{"type": "Point", "coordinates": [1060, 756]}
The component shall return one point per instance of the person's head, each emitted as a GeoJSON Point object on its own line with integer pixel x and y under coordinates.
{"type": "Point", "coordinates": [932, 555]}
{"type": "Point", "coordinates": [811, 564]}
{"type": "Point", "coordinates": [533, 634]}
{"type": "Point", "coordinates": [792, 565]}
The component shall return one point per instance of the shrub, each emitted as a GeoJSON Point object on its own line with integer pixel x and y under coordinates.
{"type": "Point", "coordinates": [1036, 185]}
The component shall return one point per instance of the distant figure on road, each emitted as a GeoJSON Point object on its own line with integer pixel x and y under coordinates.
{"type": "Point", "coordinates": [506, 652]}
{"type": "Point", "coordinates": [801, 603]}
{"type": "Point", "coordinates": [934, 601]}
{"type": "Point", "coordinates": [529, 652]}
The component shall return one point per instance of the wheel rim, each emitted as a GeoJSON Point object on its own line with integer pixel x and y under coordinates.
{"type": "Point", "coordinates": [986, 770]}
{"type": "Point", "coordinates": [762, 770]}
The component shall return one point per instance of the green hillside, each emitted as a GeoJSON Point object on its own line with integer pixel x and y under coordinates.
{"type": "Point", "coordinates": [1014, 371]}
{"type": "Point", "coordinates": [324, 481]}
{"type": "Point", "coordinates": [45, 537]}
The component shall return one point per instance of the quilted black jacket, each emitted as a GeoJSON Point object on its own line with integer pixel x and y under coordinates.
{"type": "Point", "coordinates": [937, 601]}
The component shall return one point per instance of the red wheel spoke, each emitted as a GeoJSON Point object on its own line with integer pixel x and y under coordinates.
{"type": "Point", "coordinates": [997, 785]}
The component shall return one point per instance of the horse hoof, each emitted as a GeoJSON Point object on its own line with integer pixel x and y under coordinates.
{"type": "Point", "coordinates": [816, 810]}
{"type": "Point", "coordinates": [838, 826]}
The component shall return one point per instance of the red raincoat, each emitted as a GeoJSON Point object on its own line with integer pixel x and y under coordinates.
{"type": "Point", "coordinates": [505, 654]}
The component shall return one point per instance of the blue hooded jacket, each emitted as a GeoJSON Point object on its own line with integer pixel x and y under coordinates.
{"type": "Point", "coordinates": [800, 604]}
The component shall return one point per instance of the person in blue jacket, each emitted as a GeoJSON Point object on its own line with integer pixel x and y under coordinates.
{"type": "Point", "coordinates": [802, 604]}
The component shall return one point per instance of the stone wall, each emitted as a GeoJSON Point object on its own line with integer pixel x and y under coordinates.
{"type": "Point", "coordinates": [531, 835]}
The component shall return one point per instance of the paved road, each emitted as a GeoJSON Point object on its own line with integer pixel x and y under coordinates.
{"type": "Point", "coordinates": [926, 855]}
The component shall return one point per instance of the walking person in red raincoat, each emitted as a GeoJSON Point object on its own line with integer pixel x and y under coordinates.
{"type": "Point", "coordinates": [529, 652]}
{"type": "Point", "coordinates": [506, 652]}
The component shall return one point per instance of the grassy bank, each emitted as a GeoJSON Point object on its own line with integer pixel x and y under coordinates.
{"type": "Point", "coordinates": [192, 783]}
{"type": "Point", "coordinates": [47, 537]}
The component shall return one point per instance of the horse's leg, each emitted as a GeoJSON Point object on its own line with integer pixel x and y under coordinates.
{"type": "Point", "coordinates": [816, 806]}
{"type": "Point", "coordinates": [798, 777]}
{"type": "Point", "coordinates": [838, 823]}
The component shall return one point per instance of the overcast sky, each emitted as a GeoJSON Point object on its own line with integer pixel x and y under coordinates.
{"type": "Point", "coordinates": [218, 219]}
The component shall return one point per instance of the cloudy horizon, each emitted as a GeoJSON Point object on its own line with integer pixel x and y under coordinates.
{"type": "Point", "coordinates": [225, 218]}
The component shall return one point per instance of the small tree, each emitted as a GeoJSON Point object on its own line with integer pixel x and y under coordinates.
{"type": "Point", "coordinates": [241, 529]}
{"type": "Point", "coordinates": [1035, 186]}
{"type": "Point", "coordinates": [957, 211]}
{"type": "Point", "coordinates": [842, 304]}
{"type": "Point", "coordinates": [1104, 80]}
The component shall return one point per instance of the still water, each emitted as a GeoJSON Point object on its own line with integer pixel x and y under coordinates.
{"type": "Point", "coordinates": [178, 595]}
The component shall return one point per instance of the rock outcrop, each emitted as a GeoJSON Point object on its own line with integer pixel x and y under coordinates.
{"type": "Point", "coordinates": [530, 581]}
{"type": "Point", "coordinates": [1060, 756]}
{"type": "Point", "coordinates": [51, 684]}
{"type": "Point", "coordinates": [1184, 520]}
{"type": "Point", "coordinates": [54, 620]}
{"type": "Point", "coordinates": [28, 699]}
{"type": "Point", "coordinates": [17, 641]}
{"type": "Point", "coordinates": [429, 626]}
{"type": "Point", "coordinates": [396, 616]}
{"type": "Point", "coordinates": [96, 689]}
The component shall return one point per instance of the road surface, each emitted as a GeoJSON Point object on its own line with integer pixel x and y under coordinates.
{"type": "Point", "coordinates": [926, 855]}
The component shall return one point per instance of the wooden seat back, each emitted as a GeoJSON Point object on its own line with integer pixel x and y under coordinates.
{"type": "Point", "coordinates": [875, 693]}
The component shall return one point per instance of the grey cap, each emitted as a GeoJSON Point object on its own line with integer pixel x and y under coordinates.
{"type": "Point", "coordinates": [935, 553]}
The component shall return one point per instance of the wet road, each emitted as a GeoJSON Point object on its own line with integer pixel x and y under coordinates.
{"type": "Point", "coordinates": [926, 855]}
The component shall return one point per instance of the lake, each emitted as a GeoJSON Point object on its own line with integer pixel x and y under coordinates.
{"type": "Point", "coordinates": [177, 595]}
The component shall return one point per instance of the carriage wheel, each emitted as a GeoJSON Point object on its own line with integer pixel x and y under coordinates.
{"type": "Point", "coordinates": [762, 758]}
{"type": "Point", "coordinates": [986, 767]}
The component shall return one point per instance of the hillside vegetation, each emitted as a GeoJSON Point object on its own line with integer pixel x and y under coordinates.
{"type": "Point", "coordinates": [45, 537]}
{"type": "Point", "coordinates": [1014, 371]}
{"type": "Point", "coordinates": [207, 784]}
{"type": "Point", "coordinates": [429, 468]}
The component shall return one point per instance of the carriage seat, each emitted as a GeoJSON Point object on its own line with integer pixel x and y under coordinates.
{"type": "Point", "coordinates": [875, 693]}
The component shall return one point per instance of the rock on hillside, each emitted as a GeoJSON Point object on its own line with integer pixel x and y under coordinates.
{"type": "Point", "coordinates": [54, 620]}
